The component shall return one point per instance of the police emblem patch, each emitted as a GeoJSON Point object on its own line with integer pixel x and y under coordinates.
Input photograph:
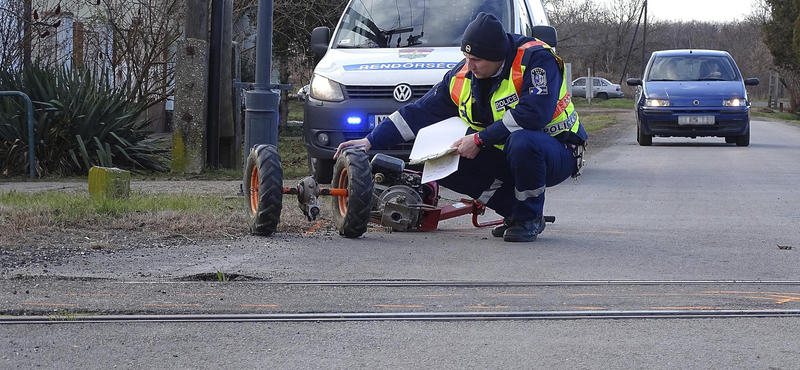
{"type": "Point", "coordinates": [539, 77]}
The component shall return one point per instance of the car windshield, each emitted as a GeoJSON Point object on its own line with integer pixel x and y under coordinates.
{"type": "Point", "coordinates": [413, 23]}
{"type": "Point", "coordinates": [692, 68]}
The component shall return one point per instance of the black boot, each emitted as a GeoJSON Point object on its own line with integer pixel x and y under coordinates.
{"type": "Point", "coordinates": [524, 231]}
{"type": "Point", "coordinates": [500, 229]}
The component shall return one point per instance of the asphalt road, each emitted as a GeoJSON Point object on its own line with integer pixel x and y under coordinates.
{"type": "Point", "coordinates": [684, 225]}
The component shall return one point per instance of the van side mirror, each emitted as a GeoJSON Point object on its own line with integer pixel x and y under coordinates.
{"type": "Point", "coordinates": [546, 34]}
{"type": "Point", "coordinates": [751, 82]}
{"type": "Point", "coordinates": [320, 37]}
{"type": "Point", "coordinates": [633, 82]}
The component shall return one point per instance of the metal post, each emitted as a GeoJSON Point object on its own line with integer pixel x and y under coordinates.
{"type": "Point", "coordinates": [589, 86]}
{"type": "Point", "coordinates": [31, 139]}
{"type": "Point", "coordinates": [261, 116]}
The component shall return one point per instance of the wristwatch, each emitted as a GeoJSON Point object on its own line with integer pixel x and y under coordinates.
{"type": "Point", "coordinates": [478, 141]}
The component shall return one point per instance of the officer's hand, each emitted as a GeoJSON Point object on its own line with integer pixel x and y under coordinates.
{"type": "Point", "coordinates": [362, 144]}
{"type": "Point", "coordinates": [466, 147]}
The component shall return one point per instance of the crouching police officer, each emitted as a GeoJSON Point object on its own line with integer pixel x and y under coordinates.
{"type": "Point", "coordinates": [524, 134]}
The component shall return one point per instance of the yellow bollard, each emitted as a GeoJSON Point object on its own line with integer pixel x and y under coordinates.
{"type": "Point", "coordinates": [109, 182]}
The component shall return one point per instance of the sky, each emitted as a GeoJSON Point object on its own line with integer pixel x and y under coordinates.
{"type": "Point", "coordinates": [700, 10]}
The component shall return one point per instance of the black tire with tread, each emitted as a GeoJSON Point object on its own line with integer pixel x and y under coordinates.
{"type": "Point", "coordinates": [642, 139]}
{"type": "Point", "coordinates": [320, 169]}
{"type": "Point", "coordinates": [602, 96]}
{"type": "Point", "coordinates": [743, 140]}
{"type": "Point", "coordinates": [265, 217]}
{"type": "Point", "coordinates": [351, 213]}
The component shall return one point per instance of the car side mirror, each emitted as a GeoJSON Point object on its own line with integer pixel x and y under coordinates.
{"type": "Point", "coordinates": [320, 37]}
{"type": "Point", "coordinates": [633, 82]}
{"type": "Point", "coordinates": [751, 82]}
{"type": "Point", "coordinates": [547, 34]}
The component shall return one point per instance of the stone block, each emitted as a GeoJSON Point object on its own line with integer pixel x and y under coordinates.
{"type": "Point", "coordinates": [105, 182]}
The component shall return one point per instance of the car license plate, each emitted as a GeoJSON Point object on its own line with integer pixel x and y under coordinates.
{"type": "Point", "coordinates": [695, 120]}
{"type": "Point", "coordinates": [375, 120]}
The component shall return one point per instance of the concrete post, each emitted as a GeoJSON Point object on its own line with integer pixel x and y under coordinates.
{"type": "Point", "coordinates": [188, 134]}
{"type": "Point", "coordinates": [191, 89]}
{"type": "Point", "coordinates": [589, 86]}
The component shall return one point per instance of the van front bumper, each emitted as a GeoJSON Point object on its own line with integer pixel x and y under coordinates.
{"type": "Point", "coordinates": [328, 124]}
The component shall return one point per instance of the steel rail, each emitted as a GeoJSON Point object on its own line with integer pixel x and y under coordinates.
{"type": "Point", "coordinates": [403, 316]}
{"type": "Point", "coordinates": [421, 283]}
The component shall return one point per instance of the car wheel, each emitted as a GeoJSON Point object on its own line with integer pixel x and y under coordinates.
{"type": "Point", "coordinates": [351, 212]}
{"type": "Point", "coordinates": [602, 96]}
{"type": "Point", "coordinates": [642, 139]}
{"type": "Point", "coordinates": [743, 140]}
{"type": "Point", "coordinates": [320, 169]}
{"type": "Point", "coordinates": [263, 189]}
{"type": "Point", "coordinates": [730, 139]}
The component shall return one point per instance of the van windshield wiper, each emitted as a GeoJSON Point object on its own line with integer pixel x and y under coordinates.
{"type": "Point", "coordinates": [712, 79]}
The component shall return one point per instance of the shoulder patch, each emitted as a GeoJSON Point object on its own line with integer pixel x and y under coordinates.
{"type": "Point", "coordinates": [538, 90]}
{"type": "Point", "coordinates": [539, 77]}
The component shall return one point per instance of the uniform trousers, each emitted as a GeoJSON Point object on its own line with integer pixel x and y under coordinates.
{"type": "Point", "coordinates": [512, 181]}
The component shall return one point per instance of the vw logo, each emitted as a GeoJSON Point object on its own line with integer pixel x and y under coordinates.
{"type": "Point", "coordinates": [696, 102]}
{"type": "Point", "coordinates": [402, 93]}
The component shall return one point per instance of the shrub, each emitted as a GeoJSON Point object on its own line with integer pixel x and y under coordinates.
{"type": "Point", "coordinates": [80, 121]}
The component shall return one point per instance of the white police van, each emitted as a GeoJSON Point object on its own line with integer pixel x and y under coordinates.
{"type": "Point", "coordinates": [388, 53]}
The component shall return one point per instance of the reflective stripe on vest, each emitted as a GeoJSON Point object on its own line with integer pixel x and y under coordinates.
{"type": "Point", "coordinates": [508, 94]}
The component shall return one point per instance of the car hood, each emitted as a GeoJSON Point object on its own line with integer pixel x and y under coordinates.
{"type": "Point", "coordinates": [415, 66]}
{"type": "Point", "coordinates": [684, 93]}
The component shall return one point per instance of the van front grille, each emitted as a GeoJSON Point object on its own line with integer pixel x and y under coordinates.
{"type": "Point", "coordinates": [383, 92]}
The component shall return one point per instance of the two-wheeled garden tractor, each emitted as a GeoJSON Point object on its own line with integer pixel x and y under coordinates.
{"type": "Point", "coordinates": [382, 191]}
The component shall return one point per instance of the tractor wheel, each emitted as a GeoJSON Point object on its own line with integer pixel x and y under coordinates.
{"type": "Point", "coordinates": [263, 189]}
{"type": "Point", "coordinates": [351, 213]}
{"type": "Point", "coordinates": [320, 169]}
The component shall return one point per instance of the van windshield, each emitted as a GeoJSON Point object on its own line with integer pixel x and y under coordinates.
{"type": "Point", "coordinates": [692, 68]}
{"type": "Point", "coordinates": [413, 23]}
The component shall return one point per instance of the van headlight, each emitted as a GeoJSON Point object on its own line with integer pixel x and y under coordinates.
{"type": "Point", "coordinates": [325, 89]}
{"type": "Point", "coordinates": [656, 103]}
{"type": "Point", "coordinates": [734, 103]}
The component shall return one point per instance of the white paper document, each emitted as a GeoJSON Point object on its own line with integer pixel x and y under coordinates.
{"type": "Point", "coordinates": [433, 146]}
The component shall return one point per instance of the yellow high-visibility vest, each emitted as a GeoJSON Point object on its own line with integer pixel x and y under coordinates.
{"type": "Point", "coordinates": [507, 95]}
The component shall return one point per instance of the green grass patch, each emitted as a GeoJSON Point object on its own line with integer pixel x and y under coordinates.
{"type": "Point", "coordinates": [770, 113]}
{"type": "Point", "coordinates": [593, 122]}
{"type": "Point", "coordinates": [69, 208]}
{"type": "Point", "coordinates": [608, 103]}
{"type": "Point", "coordinates": [296, 110]}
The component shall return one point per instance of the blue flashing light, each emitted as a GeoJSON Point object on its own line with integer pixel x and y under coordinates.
{"type": "Point", "coordinates": [355, 120]}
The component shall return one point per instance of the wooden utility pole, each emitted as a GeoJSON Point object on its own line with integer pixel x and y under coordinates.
{"type": "Point", "coordinates": [27, 39]}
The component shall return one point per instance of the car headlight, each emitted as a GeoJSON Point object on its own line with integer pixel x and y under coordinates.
{"type": "Point", "coordinates": [325, 89]}
{"type": "Point", "coordinates": [734, 103]}
{"type": "Point", "coordinates": [656, 103]}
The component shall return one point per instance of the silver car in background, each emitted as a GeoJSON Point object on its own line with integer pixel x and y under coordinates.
{"type": "Point", "coordinates": [601, 88]}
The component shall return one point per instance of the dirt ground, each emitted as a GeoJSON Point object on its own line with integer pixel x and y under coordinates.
{"type": "Point", "coordinates": [43, 247]}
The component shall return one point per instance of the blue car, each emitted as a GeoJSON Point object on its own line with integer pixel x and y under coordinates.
{"type": "Point", "coordinates": [692, 93]}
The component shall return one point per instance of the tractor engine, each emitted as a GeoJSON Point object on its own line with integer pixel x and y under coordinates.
{"type": "Point", "coordinates": [399, 198]}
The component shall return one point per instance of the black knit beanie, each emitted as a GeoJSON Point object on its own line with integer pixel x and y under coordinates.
{"type": "Point", "coordinates": [485, 38]}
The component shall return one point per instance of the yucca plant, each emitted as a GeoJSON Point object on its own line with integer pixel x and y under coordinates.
{"type": "Point", "coordinates": [80, 121]}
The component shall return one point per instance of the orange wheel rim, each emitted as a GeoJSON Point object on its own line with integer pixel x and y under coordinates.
{"type": "Point", "coordinates": [343, 184]}
{"type": "Point", "coordinates": [254, 190]}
